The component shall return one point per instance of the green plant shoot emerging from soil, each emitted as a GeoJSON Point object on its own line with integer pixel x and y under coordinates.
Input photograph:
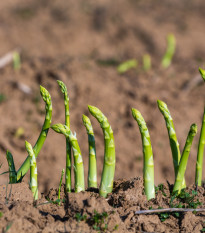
{"type": "Point", "coordinates": [108, 173]}
{"type": "Point", "coordinates": [148, 170]}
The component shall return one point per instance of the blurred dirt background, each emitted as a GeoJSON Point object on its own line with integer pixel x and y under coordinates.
{"type": "Point", "coordinates": [81, 43]}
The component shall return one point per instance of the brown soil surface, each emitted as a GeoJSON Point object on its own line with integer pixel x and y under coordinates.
{"type": "Point", "coordinates": [114, 214]}
{"type": "Point", "coordinates": [81, 43]}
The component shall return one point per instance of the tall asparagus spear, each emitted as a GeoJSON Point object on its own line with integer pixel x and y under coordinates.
{"type": "Point", "coordinates": [78, 160]}
{"type": "Point", "coordinates": [178, 185]}
{"type": "Point", "coordinates": [200, 153]}
{"type": "Point", "coordinates": [12, 170]}
{"type": "Point", "coordinates": [68, 146]}
{"type": "Point", "coordinates": [107, 178]}
{"type": "Point", "coordinates": [42, 137]}
{"type": "Point", "coordinates": [92, 170]}
{"type": "Point", "coordinates": [176, 156]}
{"type": "Point", "coordinates": [148, 171]}
{"type": "Point", "coordinates": [33, 171]}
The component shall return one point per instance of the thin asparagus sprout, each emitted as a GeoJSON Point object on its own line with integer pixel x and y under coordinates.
{"type": "Point", "coordinates": [148, 170]}
{"type": "Point", "coordinates": [127, 65]}
{"type": "Point", "coordinates": [59, 188]}
{"type": "Point", "coordinates": [184, 159]}
{"type": "Point", "coordinates": [146, 62]}
{"type": "Point", "coordinates": [12, 170]}
{"type": "Point", "coordinates": [68, 146]}
{"type": "Point", "coordinates": [42, 137]}
{"type": "Point", "coordinates": [33, 171]}
{"type": "Point", "coordinates": [108, 173]}
{"type": "Point", "coordinates": [92, 170]}
{"type": "Point", "coordinates": [167, 58]}
{"type": "Point", "coordinates": [16, 60]}
{"type": "Point", "coordinates": [176, 156]}
{"type": "Point", "coordinates": [78, 160]}
{"type": "Point", "coordinates": [202, 72]}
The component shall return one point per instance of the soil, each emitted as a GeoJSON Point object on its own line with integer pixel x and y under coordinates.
{"type": "Point", "coordinates": [81, 43]}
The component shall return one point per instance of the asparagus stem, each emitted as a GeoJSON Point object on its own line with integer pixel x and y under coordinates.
{"type": "Point", "coordinates": [200, 154]}
{"type": "Point", "coordinates": [12, 170]}
{"type": "Point", "coordinates": [59, 188]}
{"type": "Point", "coordinates": [107, 178]}
{"type": "Point", "coordinates": [176, 156]}
{"type": "Point", "coordinates": [178, 185]}
{"type": "Point", "coordinates": [68, 146]}
{"type": "Point", "coordinates": [148, 170]}
{"type": "Point", "coordinates": [33, 170]}
{"type": "Point", "coordinates": [92, 170]}
{"type": "Point", "coordinates": [167, 58]}
{"type": "Point", "coordinates": [78, 160]}
{"type": "Point", "coordinates": [42, 137]}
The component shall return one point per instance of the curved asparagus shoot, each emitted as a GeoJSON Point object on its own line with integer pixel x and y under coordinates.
{"type": "Point", "coordinates": [178, 185]}
{"type": "Point", "coordinates": [167, 58]}
{"type": "Point", "coordinates": [42, 137]}
{"type": "Point", "coordinates": [108, 172]}
{"type": "Point", "coordinates": [78, 160]}
{"type": "Point", "coordinates": [68, 146]}
{"type": "Point", "coordinates": [33, 170]}
{"type": "Point", "coordinates": [12, 170]}
{"type": "Point", "coordinates": [92, 169]}
{"type": "Point", "coordinates": [176, 156]}
{"type": "Point", "coordinates": [148, 170]}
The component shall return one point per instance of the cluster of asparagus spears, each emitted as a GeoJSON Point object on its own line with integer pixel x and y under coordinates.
{"type": "Point", "coordinates": [72, 147]}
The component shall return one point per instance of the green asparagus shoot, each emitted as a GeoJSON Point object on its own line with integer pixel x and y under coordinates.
{"type": "Point", "coordinates": [78, 160]}
{"type": "Point", "coordinates": [167, 58]}
{"type": "Point", "coordinates": [176, 156]}
{"type": "Point", "coordinates": [16, 61]}
{"type": "Point", "coordinates": [108, 172]}
{"type": "Point", "coordinates": [68, 146]}
{"type": "Point", "coordinates": [127, 65]}
{"type": "Point", "coordinates": [42, 137]}
{"type": "Point", "coordinates": [200, 154]}
{"type": "Point", "coordinates": [148, 170]}
{"type": "Point", "coordinates": [146, 62]}
{"type": "Point", "coordinates": [92, 170]}
{"type": "Point", "coordinates": [178, 185]}
{"type": "Point", "coordinates": [12, 170]}
{"type": "Point", "coordinates": [59, 188]}
{"type": "Point", "coordinates": [33, 171]}
{"type": "Point", "coordinates": [202, 72]}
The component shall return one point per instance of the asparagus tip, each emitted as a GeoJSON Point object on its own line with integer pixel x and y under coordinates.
{"type": "Point", "coordinates": [45, 95]}
{"type": "Point", "coordinates": [60, 128]}
{"type": "Point", "coordinates": [202, 72]}
{"type": "Point", "coordinates": [62, 86]}
{"type": "Point", "coordinates": [28, 146]}
{"type": "Point", "coordinates": [193, 129]}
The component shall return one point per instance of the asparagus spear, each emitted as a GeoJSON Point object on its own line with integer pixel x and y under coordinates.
{"type": "Point", "coordinates": [33, 171]}
{"type": "Point", "coordinates": [167, 58]}
{"type": "Point", "coordinates": [176, 156]}
{"type": "Point", "coordinates": [178, 185]}
{"type": "Point", "coordinates": [107, 178]}
{"type": "Point", "coordinates": [42, 137]}
{"type": "Point", "coordinates": [12, 170]}
{"type": "Point", "coordinates": [202, 72]}
{"type": "Point", "coordinates": [68, 146]}
{"type": "Point", "coordinates": [78, 160]}
{"type": "Point", "coordinates": [200, 153]}
{"type": "Point", "coordinates": [92, 170]}
{"type": "Point", "coordinates": [148, 171]}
